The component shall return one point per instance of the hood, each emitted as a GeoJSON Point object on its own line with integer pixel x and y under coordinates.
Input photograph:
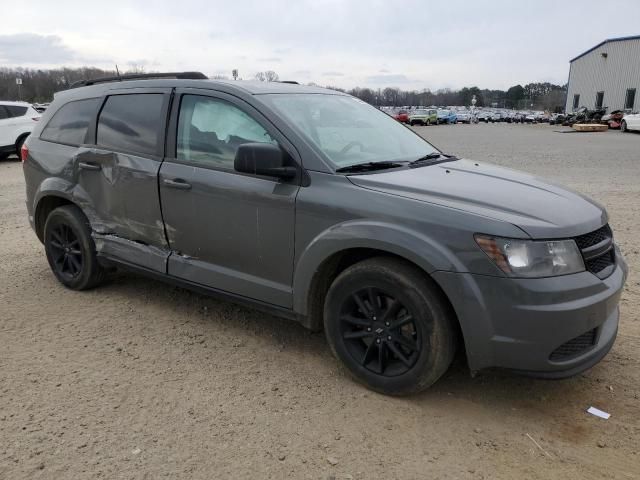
{"type": "Point", "coordinates": [540, 208]}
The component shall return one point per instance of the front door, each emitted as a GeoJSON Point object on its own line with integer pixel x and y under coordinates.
{"type": "Point", "coordinates": [229, 231]}
{"type": "Point", "coordinates": [118, 170]}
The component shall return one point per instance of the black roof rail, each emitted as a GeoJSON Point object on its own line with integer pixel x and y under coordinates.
{"type": "Point", "coordinates": [292, 82]}
{"type": "Point", "coordinates": [140, 76]}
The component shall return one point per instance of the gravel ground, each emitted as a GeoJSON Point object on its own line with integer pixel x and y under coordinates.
{"type": "Point", "coordinates": [142, 380]}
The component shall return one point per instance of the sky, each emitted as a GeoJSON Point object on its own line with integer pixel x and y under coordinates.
{"type": "Point", "coordinates": [404, 43]}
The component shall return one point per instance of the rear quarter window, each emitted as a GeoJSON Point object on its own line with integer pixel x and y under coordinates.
{"type": "Point", "coordinates": [131, 123]}
{"type": "Point", "coordinates": [16, 110]}
{"type": "Point", "coordinates": [69, 124]}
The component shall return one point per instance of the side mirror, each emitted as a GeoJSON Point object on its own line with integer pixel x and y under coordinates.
{"type": "Point", "coordinates": [262, 159]}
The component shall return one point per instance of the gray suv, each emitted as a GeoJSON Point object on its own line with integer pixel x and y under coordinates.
{"type": "Point", "coordinates": [312, 205]}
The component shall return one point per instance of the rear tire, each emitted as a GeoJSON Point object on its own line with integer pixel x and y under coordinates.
{"type": "Point", "coordinates": [623, 126]}
{"type": "Point", "coordinates": [70, 249]}
{"type": "Point", "coordinates": [390, 326]}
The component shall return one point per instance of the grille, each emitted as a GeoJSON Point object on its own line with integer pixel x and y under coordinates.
{"type": "Point", "coordinates": [598, 264]}
{"type": "Point", "coordinates": [597, 261]}
{"type": "Point", "coordinates": [593, 238]}
{"type": "Point", "coordinates": [575, 346]}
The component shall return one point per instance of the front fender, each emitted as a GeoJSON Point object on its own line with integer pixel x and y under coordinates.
{"type": "Point", "coordinates": [415, 247]}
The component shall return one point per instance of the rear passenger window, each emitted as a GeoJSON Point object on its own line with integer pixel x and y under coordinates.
{"type": "Point", "coordinates": [210, 131]}
{"type": "Point", "coordinates": [69, 124]}
{"type": "Point", "coordinates": [16, 111]}
{"type": "Point", "coordinates": [132, 123]}
{"type": "Point", "coordinates": [3, 113]}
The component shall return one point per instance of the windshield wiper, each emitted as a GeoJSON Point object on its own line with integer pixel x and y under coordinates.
{"type": "Point", "coordinates": [368, 166]}
{"type": "Point", "coordinates": [432, 159]}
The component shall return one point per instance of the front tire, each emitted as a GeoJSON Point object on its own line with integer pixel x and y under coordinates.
{"type": "Point", "coordinates": [390, 326]}
{"type": "Point", "coordinates": [623, 126]}
{"type": "Point", "coordinates": [70, 249]}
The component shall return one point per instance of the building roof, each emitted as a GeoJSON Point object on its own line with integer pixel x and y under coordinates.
{"type": "Point", "coordinates": [608, 40]}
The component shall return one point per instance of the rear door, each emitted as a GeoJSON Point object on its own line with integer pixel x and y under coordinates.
{"type": "Point", "coordinates": [229, 231]}
{"type": "Point", "coordinates": [16, 124]}
{"type": "Point", "coordinates": [118, 172]}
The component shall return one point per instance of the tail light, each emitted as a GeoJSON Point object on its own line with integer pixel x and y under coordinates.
{"type": "Point", "coordinates": [24, 153]}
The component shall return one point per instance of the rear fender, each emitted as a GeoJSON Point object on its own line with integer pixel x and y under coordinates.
{"type": "Point", "coordinates": [74, 193]}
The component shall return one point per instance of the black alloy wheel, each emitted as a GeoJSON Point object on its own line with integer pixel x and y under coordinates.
{"type": "Point", "coordinates": [71, 250]}
{"type": "Point", "coordinates": [390, 325]}
{"type": "Point", "coordinates": [66, 251]}
{"type": "Point", "coordinates": [379, 332]}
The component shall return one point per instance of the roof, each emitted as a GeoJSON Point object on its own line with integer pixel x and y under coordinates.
{"type": "Point", "coordinates": [243, 86]}
{"type": "Point", "coordinates": [608, 40]}
{"type": "Point", "coordinates": [19, 104]}
{"type": "Point", "coordinates": [256, 87]}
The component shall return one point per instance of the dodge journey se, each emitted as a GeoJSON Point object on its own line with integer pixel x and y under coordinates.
{"type": "Point", "coordinates": [313, 205]}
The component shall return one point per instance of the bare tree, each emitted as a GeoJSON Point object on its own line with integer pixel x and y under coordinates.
{"type": "Point", "coordinates": [268, 76]}
{"type": "Point", "coordinates": [135, 68]}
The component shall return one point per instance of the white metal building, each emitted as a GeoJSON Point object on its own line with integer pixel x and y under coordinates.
{"type": "Point", "coordinates": [606, 75]}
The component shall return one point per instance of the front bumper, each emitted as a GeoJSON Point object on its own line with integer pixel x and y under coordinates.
{"type": "Point", "coordinates": [518, 323]}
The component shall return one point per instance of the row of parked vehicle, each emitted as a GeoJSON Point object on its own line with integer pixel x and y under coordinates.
{"type": "Point", "coordinates": [449, 115]}
{"type": "Point", "coordinates": [425, 116]}
{"type": "Point", "coordinates": [617, 119]}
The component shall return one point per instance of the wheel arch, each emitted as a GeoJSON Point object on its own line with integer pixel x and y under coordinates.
{"type": "Point", "coordinates": [46, 204]}
{"type": "Point", "coordinates": [22, 136]}
{"type": "Point", "coordinates": [326, 257]}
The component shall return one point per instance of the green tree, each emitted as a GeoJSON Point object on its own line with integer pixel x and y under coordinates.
{"type": "Point", "coordinates": [514, 95]}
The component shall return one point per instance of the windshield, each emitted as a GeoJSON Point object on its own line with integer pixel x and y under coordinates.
{"type": "Point", "coordinates": [349, 131]}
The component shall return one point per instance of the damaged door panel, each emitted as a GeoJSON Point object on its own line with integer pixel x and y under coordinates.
{"type": "Point", "coordinates": [121, 175]}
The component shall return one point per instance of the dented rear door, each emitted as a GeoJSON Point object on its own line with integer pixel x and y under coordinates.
{"type": "Point", "coordinates": [119, 175]}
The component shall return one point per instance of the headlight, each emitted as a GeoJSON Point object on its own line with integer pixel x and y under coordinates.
{"type": "Point", "coordinates": [532, 258]}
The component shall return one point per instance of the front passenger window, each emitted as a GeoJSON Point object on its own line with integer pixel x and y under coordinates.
{"type": "Point", "coordinates": [210, 131]}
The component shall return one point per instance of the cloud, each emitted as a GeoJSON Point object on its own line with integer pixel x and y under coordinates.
{"type": "Point", "coordinates": [391, 79]}
{"type": "Point", "coordinates": [31, 48]}
{"type": "Point", "coordinates": [370, 46]}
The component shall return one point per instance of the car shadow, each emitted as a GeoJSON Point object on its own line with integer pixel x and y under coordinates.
{"type": "Point", "coordinates": [492, 388]}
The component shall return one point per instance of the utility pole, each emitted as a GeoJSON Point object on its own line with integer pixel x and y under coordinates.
{"type": "Point", "coordinates": [19, 83]}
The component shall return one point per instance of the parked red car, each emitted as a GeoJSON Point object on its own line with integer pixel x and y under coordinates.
{"type": "Point", "coordinates": [402, 116]}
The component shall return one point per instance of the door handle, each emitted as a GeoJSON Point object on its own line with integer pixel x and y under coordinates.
{"type": "Point", "coordinates": [88, 166]}
{"type": "Point", "coordinates": [177, 183]}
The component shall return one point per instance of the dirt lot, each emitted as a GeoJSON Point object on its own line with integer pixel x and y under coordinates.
{"type": "Point", "coordinates": [141, 380]}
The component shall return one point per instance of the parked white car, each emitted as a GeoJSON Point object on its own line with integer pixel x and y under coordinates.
{"type": "Point", "coordinates": [17, 120]}
{"type": "Point", "coordinates": [463, 116]}
{"type": "Point", "coordinates": [631, 121]}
